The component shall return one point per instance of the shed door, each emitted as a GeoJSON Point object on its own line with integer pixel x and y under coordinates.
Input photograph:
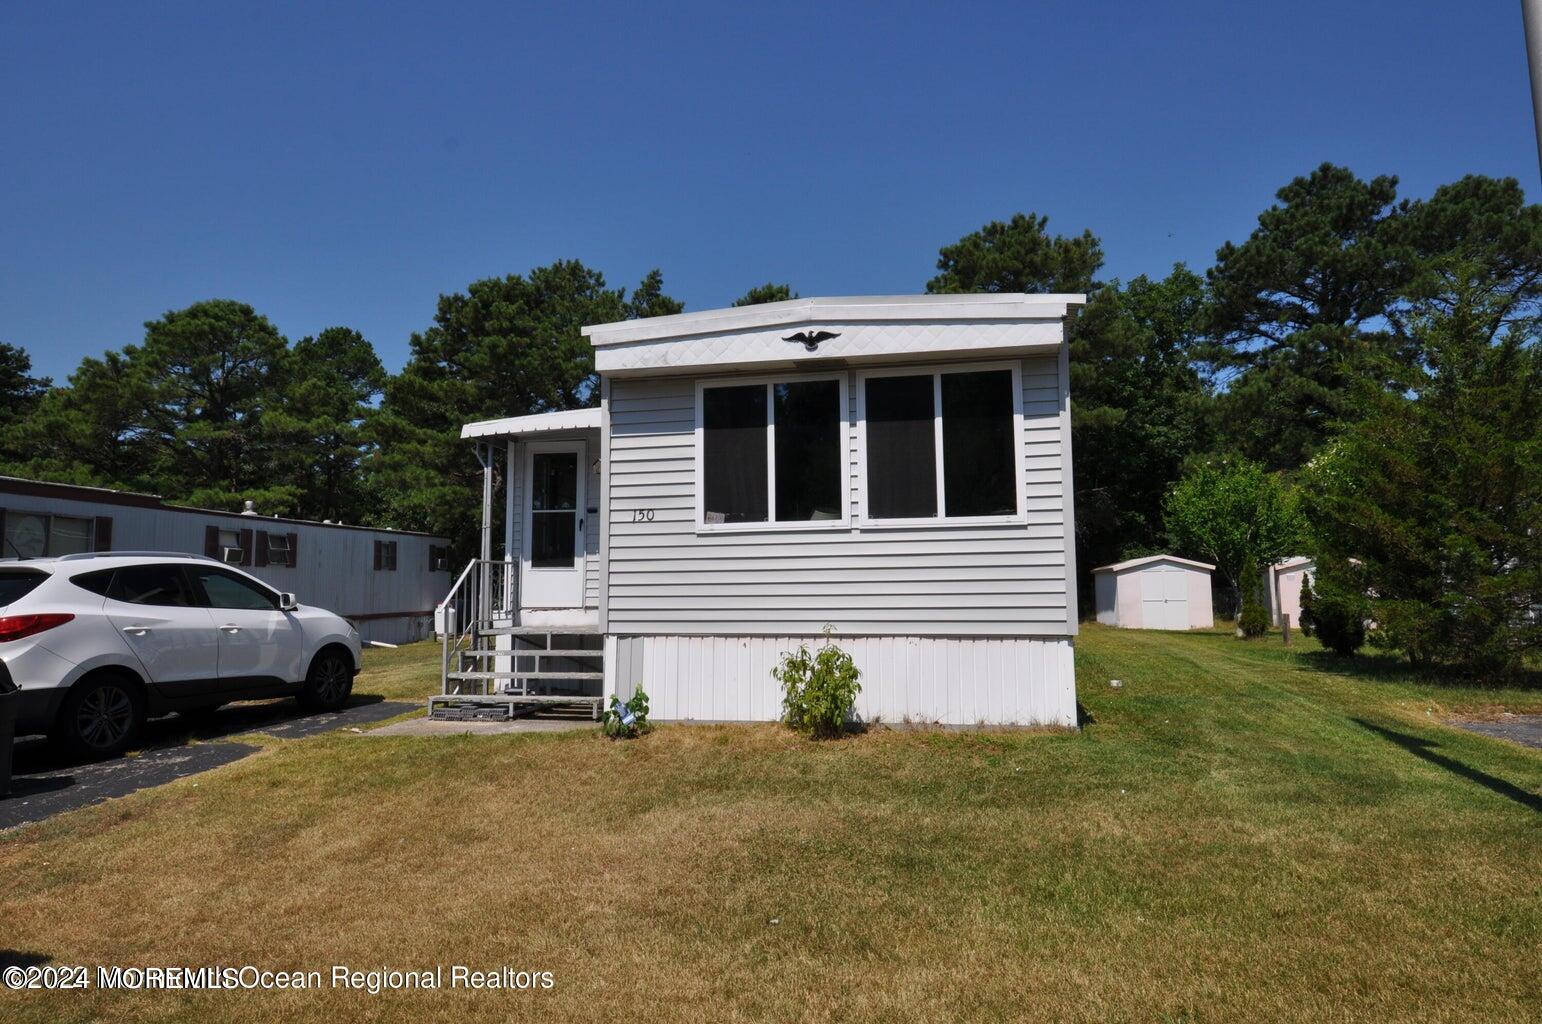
{"type": "Point", "coordinates": [552, 555]}
{"type": "Point", "coordinates": [1165, 598]}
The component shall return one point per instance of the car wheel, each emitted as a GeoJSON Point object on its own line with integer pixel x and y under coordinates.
{"type": "Point", "coordinates": [329, 683]}
{"type": "Point", "coordinates": [101, 718]}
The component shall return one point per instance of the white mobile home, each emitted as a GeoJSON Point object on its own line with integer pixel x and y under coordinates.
{"type": "Point", "coordinates": [386, 581]}
{"type": "Point", "coordinates": [897, 468]}
{"type": "Point", "coordinates": [1155, 592]}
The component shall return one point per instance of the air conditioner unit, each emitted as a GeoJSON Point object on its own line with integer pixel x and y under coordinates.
{"type": "Point", "coordinates": [231, 556]}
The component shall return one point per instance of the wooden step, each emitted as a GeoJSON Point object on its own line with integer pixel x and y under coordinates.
{"type": "Point", "coordinates": [526, 675]}
{"type": "Point", "coordinates": [482, 630]}
{"type": "Point", "coordinates": [533, 652]}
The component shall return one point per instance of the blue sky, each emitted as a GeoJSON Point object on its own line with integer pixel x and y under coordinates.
{"type": "Point", "coordinates": [345, 164]}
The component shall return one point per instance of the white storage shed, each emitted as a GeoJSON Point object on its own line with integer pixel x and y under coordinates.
{"type": "Point", "coordinates": [1156, 592]}
{"type": "Point", "coordinates": [1282, 588]}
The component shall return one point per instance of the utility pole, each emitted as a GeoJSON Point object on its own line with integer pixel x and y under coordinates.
{"type": "Point", "coordinates": [1531, 11]}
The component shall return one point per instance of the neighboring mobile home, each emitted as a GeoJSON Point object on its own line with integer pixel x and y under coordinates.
{"type": "Point", "coordinates": [386, 581]}
{"type": "Point", "coordinates": [1156, 592]}
{"type": "Point", "coordinates": [895, 468]}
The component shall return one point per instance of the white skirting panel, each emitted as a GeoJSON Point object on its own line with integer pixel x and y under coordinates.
{"type": "Point", "coordinates": [945, 680]}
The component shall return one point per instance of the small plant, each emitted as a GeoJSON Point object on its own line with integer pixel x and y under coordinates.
{"type": "Point", "coordinates": [819, 688]}
{"type": "Point", "coordinates": [630, 720]}
{"type": "Point", "coordinates": [1253, 621]}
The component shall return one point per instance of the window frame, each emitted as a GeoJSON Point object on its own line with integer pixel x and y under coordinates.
{"type": "Point", "coordinates": [772, 524]}
{"type": "Point", "coordinates": [942, 520]}
{"type": "Point", "coordinates": [48, 519]}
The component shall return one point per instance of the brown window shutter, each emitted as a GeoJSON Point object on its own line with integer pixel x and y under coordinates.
{"type": "Point", "coordinates": [377, 556]}
{"type": "Point", "coordinates": [211, 541]}
{"type": "Point", "coordinates": [294, 550]}
{"type": "Point", "coordinates": [103, 534]}
{"type": "Point", "coordinates": [262, 549]}
{"type": "Point", "coordinates": [246, 547]}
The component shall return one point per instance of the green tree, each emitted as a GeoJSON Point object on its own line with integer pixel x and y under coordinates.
{"type": "Point", "coordinates": [1426, 512]}
{"type": "Point", "coordinates": [20, 395]}
{"type": "Point", "coordinates": [507, 346]}
{"type": "Point", "coordinates": [1018, 256]}
{"type": "Point", "coordinates": [1298, 312]}
{"type": "Point", "coordinates": [331, 382]}
{"type": "Point", "coordinates": [184, 415]}
{"type": "Point", "coordinates": [1139, 410]}
{"type": "Point", "coordinates": [768, 292]}
{"type": "Point", "coordinates": [1236, 515]}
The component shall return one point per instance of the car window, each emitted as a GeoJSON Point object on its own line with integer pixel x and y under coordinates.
{"type": "Point", "coordinates": [16, 585]}
{"type": "Point", "coordinates": [164, 586]}
{"type": "Point", "coordinates": [227, 590]}
{"type": "Point", "coordinates": [99, 582]}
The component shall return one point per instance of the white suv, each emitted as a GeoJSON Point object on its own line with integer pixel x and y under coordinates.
{"type": "Point", "coordinates": [98, 643]}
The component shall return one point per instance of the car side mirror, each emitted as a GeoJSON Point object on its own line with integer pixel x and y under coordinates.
{"type": "Point", "coordinates": [287, 603]}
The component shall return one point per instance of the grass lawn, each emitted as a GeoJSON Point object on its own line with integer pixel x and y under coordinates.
{"type": "Point", "coordinates": [1240, 834]}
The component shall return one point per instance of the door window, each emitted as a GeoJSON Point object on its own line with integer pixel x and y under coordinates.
{"type": "Point", "coordinates": [553, 509]}
{"type": "Point", "coordinates": [225, 590]}
{"type": "Point", "coordinates": [164, 586]}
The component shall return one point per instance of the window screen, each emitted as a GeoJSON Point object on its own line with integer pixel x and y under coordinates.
{"type": "Point", "coordinates": [68, 535]}
{"type": "Point", "coordinates": [734, 454]}
{"type": "Point", "coordinates": [901, 447]}
{"type": "Point", "coordinates": [26, 536]}
{"type": "Point", "coordinates": [977, 444]}
{"type": "Point", "coordinates": [809, 452]}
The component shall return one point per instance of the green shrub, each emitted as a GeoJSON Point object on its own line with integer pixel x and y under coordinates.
{"type": "Point", "coordinates": [1308, 623]}
{"type": "Point", "coordinates": [819, 689]}
{"type": "Point", "coordinates": [1337, 622]}
{"type": "Point", "coordinates": [1253, 620]}
{"type": "Point", "coordinates": [630, 720]}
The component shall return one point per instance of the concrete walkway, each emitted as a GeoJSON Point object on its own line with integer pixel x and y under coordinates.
{"type": "Point", "coordinates": [546, 721]}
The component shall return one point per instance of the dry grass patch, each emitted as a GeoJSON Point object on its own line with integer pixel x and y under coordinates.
{"type": "Point", "coordinates": [1227, 842]}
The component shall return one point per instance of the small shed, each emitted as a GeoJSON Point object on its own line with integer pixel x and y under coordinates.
{"type": "Point", "coordinates": [1282, 587]}
{"type": "Point", "coordinates": [1156, 592]}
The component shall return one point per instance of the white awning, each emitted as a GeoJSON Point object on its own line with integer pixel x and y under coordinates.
{"type": "Point", "coordinates": [540, 423]}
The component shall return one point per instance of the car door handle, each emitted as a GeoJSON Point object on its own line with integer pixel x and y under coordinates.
{"type": "Point", "coordinates": [137, 630]}
{"type": "Point", "coordinates": [232, 630]}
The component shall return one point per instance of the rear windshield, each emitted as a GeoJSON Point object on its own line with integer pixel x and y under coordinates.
{"type": "Point", "coordinates": [16, 584]}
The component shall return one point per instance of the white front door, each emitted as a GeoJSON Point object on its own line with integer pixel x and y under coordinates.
{"type": "Point", "coordinates": [551, 565]}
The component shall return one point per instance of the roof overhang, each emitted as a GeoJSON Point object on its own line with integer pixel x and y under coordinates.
{"type": "Point", "coordinates": [540, 423]}
{"type": "Point", "coordinates": [1136, 563]}
{"type": "Point", "coordinates": [859, 329]}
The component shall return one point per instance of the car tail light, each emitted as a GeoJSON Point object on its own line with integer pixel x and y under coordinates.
{"type": "Point", "coordinates": [16, 627]}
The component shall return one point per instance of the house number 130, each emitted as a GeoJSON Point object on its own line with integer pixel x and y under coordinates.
{"type": "Point", "coordinates": [642, 515]}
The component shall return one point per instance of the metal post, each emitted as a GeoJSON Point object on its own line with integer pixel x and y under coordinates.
{"type": "Point", "coordinates": [1531, 14]}
{"type": "Point", "coordinates": [1285, 626]}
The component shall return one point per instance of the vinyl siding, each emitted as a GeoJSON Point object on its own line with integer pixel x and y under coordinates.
{"type": "Point", "coordinates": [947, 680]}
{"type": "Point", "coordinates": [665, 578]}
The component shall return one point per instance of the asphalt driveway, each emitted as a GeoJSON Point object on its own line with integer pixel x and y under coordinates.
{"type": "Point", "coordinates": [42, 785]}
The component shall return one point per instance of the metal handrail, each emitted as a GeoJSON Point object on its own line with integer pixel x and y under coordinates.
{"type": "Point", "coordinates": [485, 590]}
